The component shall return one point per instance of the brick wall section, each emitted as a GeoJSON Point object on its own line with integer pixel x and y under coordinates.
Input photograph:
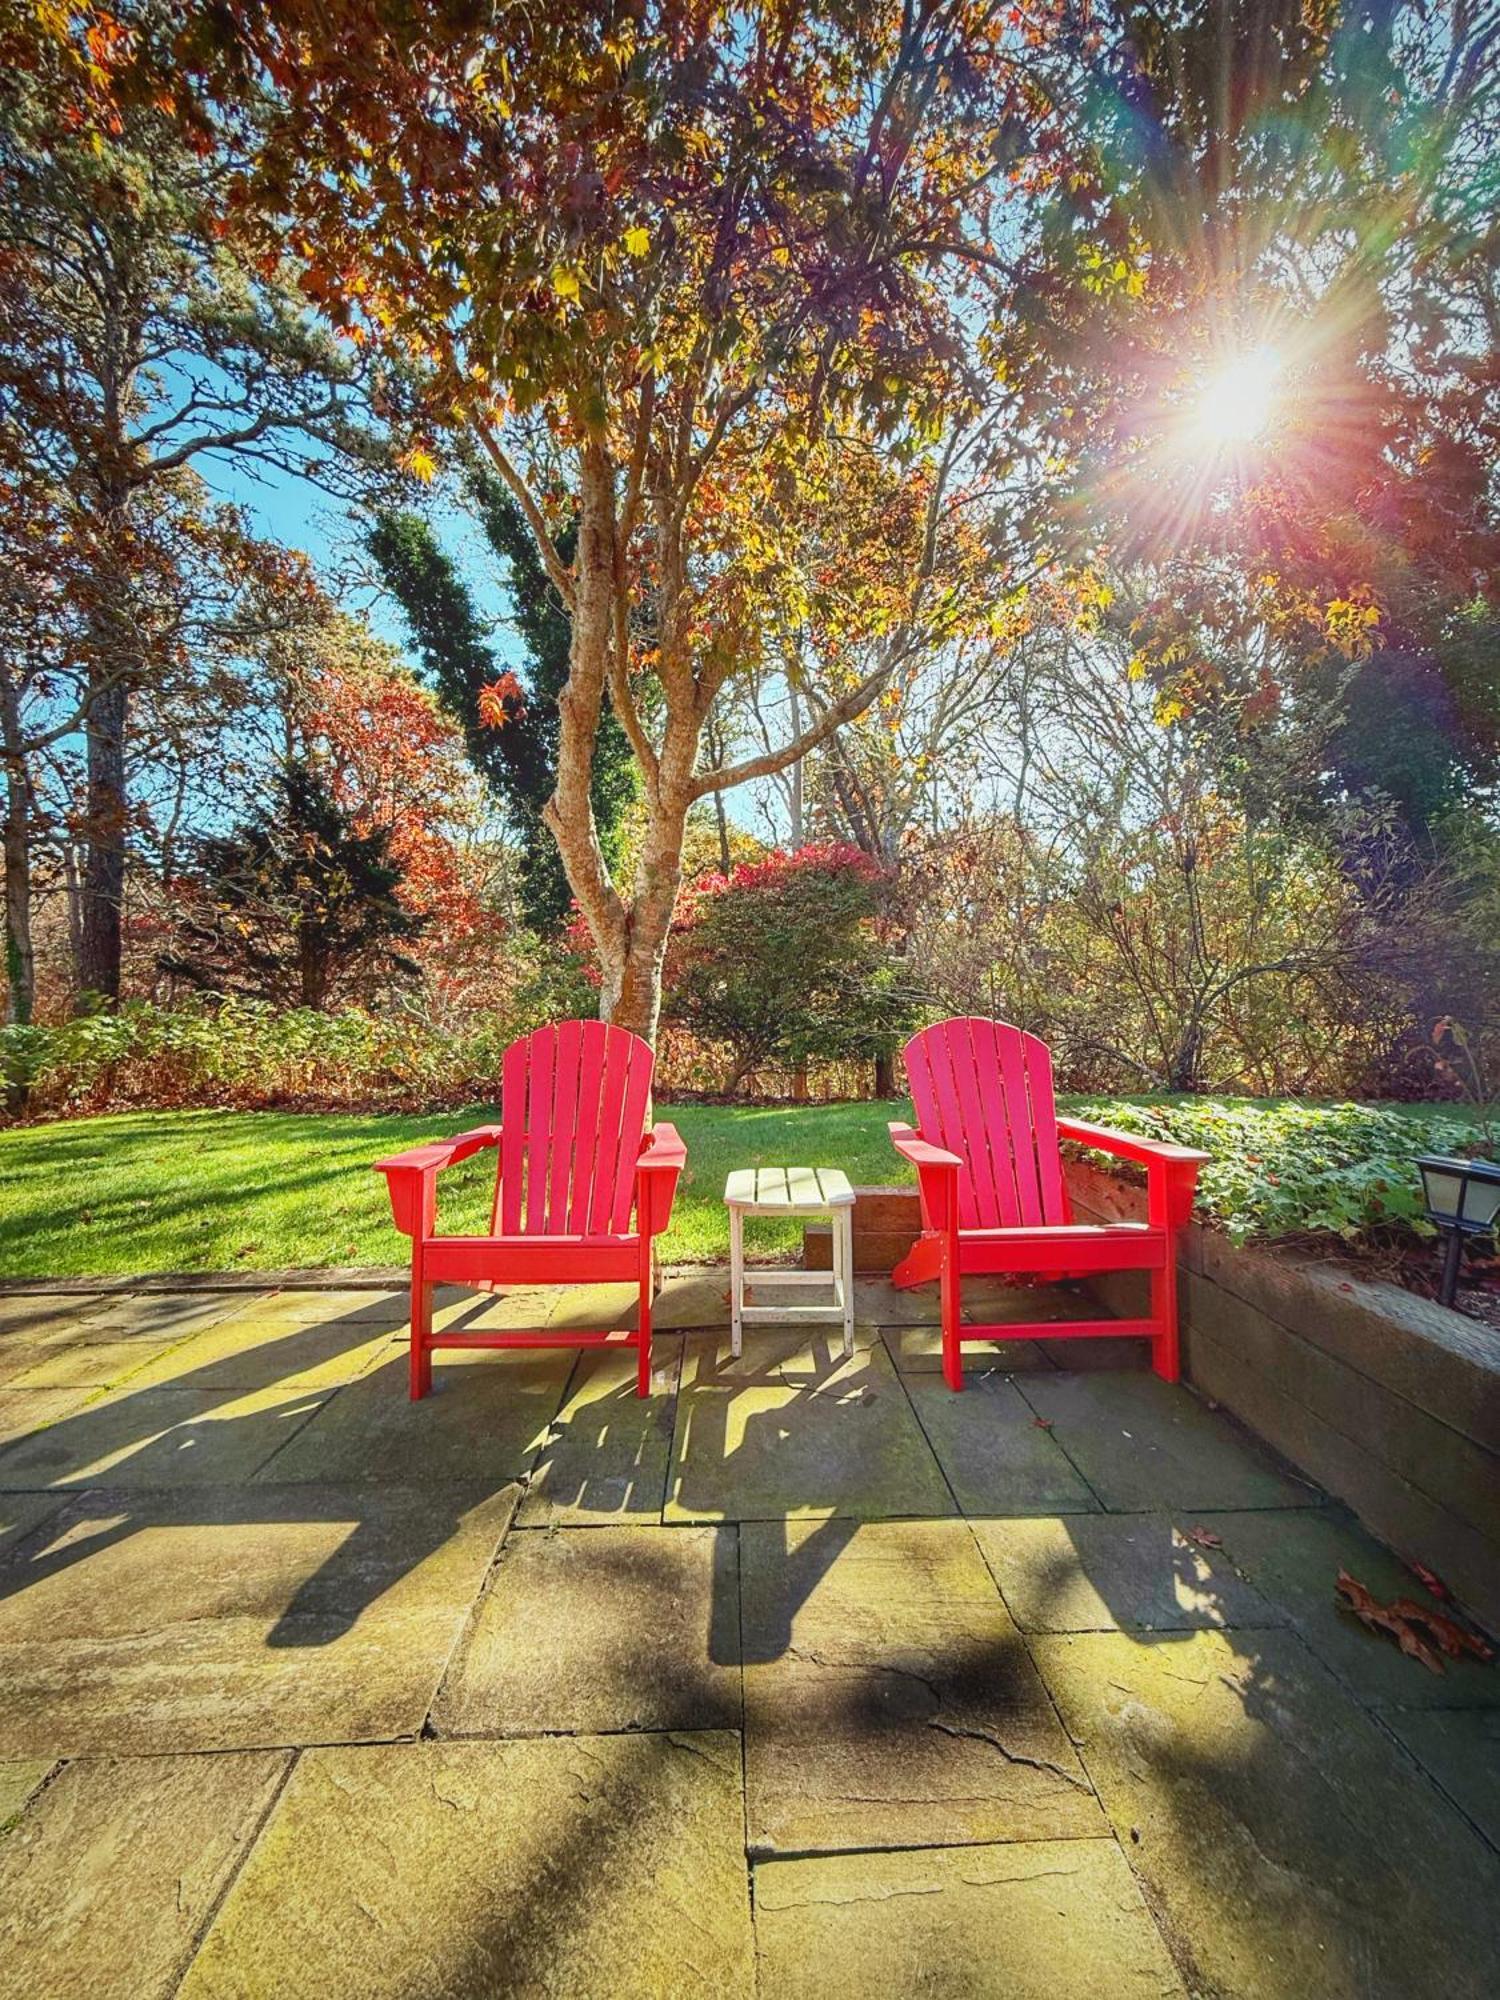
{"type": "Point", "coordinates": [886, 1223]}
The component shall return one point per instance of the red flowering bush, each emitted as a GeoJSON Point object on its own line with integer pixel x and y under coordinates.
{"type": "Point", "coordinates": [781, 962]}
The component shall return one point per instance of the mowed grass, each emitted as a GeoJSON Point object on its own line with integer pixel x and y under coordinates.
{"type": "Point", "coordinates": [140, 1192]}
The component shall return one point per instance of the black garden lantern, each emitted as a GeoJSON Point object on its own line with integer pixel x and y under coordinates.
{"type": "Point", "coordinates": [1463, 1199]}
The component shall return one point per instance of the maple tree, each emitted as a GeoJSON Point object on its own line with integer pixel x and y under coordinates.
{"type": "Point", "coordinates": [330, 695]}
{"type": "Point", "coordinates": [690, 275]}
{"type": "Point", "coordinates": [1309, 187]}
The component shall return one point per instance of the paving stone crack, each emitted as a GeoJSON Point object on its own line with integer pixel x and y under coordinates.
{"type": "Point", "coordinates": [1011, 1756]}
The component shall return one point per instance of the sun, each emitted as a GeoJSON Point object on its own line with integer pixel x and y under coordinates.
{"type": "Point", "coordinates": [1237, 401]}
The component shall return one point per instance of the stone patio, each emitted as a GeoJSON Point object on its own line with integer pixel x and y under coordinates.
{"type": "Point", "coordinates": [805, 1677]}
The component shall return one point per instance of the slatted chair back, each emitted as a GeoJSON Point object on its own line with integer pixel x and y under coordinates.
{"type": "Point", "coordinates": [573, 1105]}
{"type": "Point", "coordinates": [983, 1090]}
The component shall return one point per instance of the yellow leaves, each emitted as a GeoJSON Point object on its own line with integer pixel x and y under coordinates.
{"type": "Point", "coordinates": [419, 462]}
{"type": "Point", "coordinates": [1351, 626]}
{"type": "Point", "coordinates": [565, 284]}
{"type": "Point", "coordinates": [637, 241]}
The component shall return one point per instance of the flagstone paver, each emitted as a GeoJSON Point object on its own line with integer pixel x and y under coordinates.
{"type": "Point", "coordinates": [1290, 1847]}
{"type": "Point", "coordinates": [31, 1312]}
{"type": "Point", "coordinates": [1031, 1920]}
{"type": "Point", "coordinates": [607, 1452]}
{"type": "Point", "coordinates": [237, 1617]}
{"type": "Point", "coordinates": [994, 1454]}
{"type": "Point", "coordinates": [918, 1350]}
{"type": "Point", "coordinates": [1103, 1572]}
{"type": "Point", "coordinates": [93, 1364]}
{"type": "Point", "coordinates": [1141, 1442]}
{"type": "Point", "coordinates": [325, 1308]}
{"type": "Point", "coordinates": [1293, 1560]}
{"type": "Point", "coordinates": [24, 1411]}
{"type": "Point", "coordinates": [595, 1629]}
{"type": "Point", "coordinates": [791, 1430]}
{"type": "Point", "coordinates": [889, 1698]}
{"type": "Point", "coordinates": [158, 1315]}
{"type": "Point", "coordinates": [307, 1689]}
{"type": "Point", "coordinates": [256, 1351]}
{"type": "Point", "coordinates": [164, 1436]}
{"type": "Point", "coordinates": [18, 1784]}
{"type": "Point", "coordinates": [586, 1868]}
{"type": "Point", "coordinates": [107, 1880]}
{"type": "Point", "coordinates": [486, 1419]}
{"type": "Point", "coordinates": [21, 1514]}
{"type": "Point", "coordinates": [1459, 1748]}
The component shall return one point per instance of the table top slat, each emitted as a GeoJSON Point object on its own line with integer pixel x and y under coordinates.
{"type": "Point", "coordinates": [788, 1189]}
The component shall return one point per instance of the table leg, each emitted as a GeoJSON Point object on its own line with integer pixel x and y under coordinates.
{"type": "Point", "coordinates": [736, 1279]}
{"type": "Point", "coordinates": [843, 1241]}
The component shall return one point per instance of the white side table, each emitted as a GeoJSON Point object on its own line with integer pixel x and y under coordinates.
{"type": "Point", "coordinates": [791, 1191]}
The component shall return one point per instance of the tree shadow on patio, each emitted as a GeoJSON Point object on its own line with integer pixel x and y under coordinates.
{"type": "Point", "coordinates": [196, 1447]}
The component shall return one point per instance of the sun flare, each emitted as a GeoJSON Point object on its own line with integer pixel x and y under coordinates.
{"type": "Point", "coordinates": [1236, 402]}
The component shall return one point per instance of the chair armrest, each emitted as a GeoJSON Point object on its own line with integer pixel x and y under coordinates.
{"type": "Point", "coordinates": [663, 1157]}
{"type": "Point", "coordinates": [1128, 1146]}
{"type": "Point", "coordinates": [937, 1175]}
{"type": "Point", "coordinates": [921, 1152]}
{"type": "Point", "coordinates": [411, 1177]}
{"type": "Point", "coordinates": [1171, 1171]}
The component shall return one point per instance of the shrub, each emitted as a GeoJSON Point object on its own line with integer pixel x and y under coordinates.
{"type": "Point", "coordinates": [1292, 1169]}
{"type": "Point", "coordinates": [780, 962]}
{"type": "Point", "coordinates": [248, 1055]}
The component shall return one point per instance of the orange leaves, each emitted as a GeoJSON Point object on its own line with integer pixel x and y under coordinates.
{"type": "Point", "coordinates": [1421, 1632]}
{"type": "Point", "coordinates": [500, 701]}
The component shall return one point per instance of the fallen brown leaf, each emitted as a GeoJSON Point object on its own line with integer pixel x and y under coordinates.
{"type": "Point", "coordinates": [1428, 1581]}
{"type": "Point", "coordinates": [1416, 1628]}
{"type": "Point", "coordinates": [1454, 1639]}
{"type": "Point", "coordinates": [1042, 1423]}
{"type": "Point", "coordinates": [1204, 1537]}
{"type": "Point", "coordinates": [1380, 1617]}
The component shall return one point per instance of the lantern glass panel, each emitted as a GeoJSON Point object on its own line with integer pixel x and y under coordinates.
{"type": "Point", "coordinates": [1481, 1200]}
{"type": "Point", "coordinates": [1442, 1187]}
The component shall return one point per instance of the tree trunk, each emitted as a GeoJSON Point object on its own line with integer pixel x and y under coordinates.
{"type": "Point", "coordinates": [885, 1073]}
{"type": "Point", "coordinates": [104, 861]}
{"type": "Point", "coordinates": [20, 960]}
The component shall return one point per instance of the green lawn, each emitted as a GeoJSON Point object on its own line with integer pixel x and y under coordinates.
{"type": "Point", "coordinates": [231, 1190]}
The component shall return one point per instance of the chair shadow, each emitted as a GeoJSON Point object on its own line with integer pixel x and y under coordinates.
{"type": "Point", "coordinates": [607, 1456]}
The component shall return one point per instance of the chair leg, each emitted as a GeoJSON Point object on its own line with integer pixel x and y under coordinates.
{"type": "Point", "coordinates": [643, 1327]}
{"type": "Point", "coordinates": [1165, 1357]}
{"type": "Point", "coordinates": [953, 1355]}
{"type": "Point", "coordinates": [421, 1334]}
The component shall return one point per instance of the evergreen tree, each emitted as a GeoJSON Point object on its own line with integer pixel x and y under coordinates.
{"type": "Point", "coordinates": [518, 759]}
{"type": "Point", "coordinates": [296, 906]}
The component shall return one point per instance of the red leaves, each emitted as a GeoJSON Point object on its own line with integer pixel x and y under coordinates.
{"type": "Point", "coordinates": [1420, 1631]}
{"type": "Point", "coordinates": [1042, 1423]}
{"type": "Point", "coordinates": [500, 701]}
{"type": "Point", "coordinates": [1203, 1538]}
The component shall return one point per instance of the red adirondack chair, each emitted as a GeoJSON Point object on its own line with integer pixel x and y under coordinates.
{"type": "Point", "coordinates": [989, 1173]}
{"type": "Point", "coordinates": [574, 1161]}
